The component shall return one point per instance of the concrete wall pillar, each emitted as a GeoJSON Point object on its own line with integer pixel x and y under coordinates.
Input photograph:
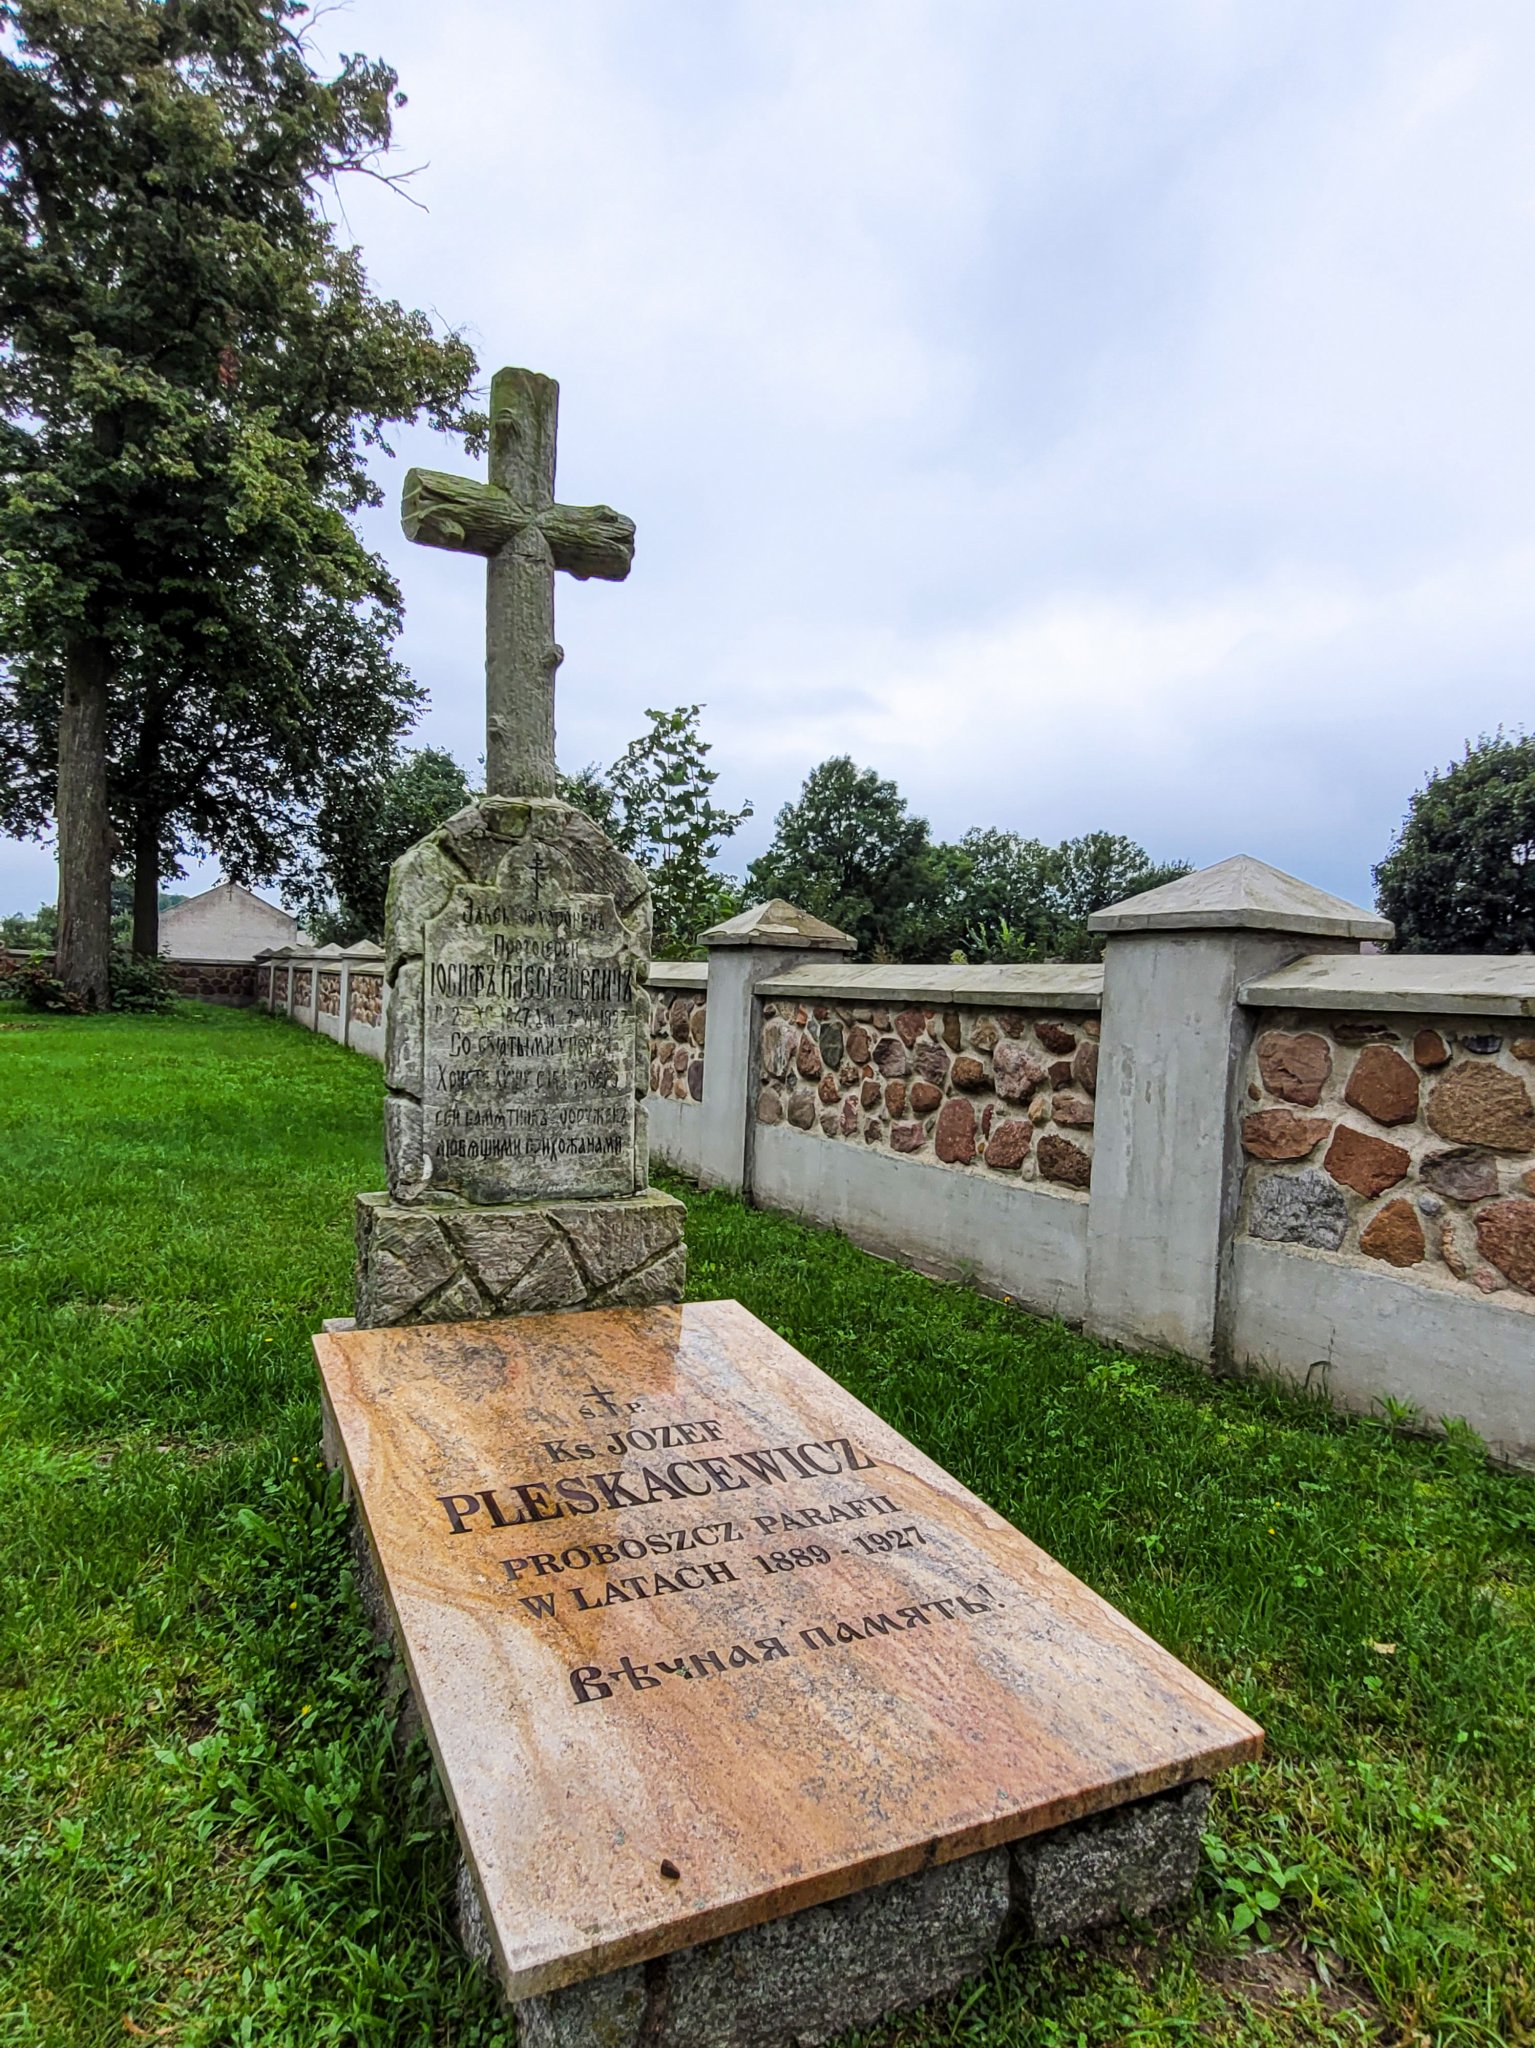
{"type": "Point", "coordinates": [1167, 1149]}
{"type": "Point", "coordinates": [744, 951]}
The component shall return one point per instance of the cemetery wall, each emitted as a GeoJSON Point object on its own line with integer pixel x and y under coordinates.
{"type": "Point", "coordinates": [231, 982]}
{"type": "Point", "coordinates": [678, 1057]}
{"type": "Point", "coordinates": [338, 991]}
{"type": "Point", "coordinates": [1343, 1193]}
{"type": "Point", "coordinates": [1372, 1216]}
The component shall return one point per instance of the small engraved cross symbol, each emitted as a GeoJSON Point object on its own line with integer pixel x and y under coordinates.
{"type": "Point", "coordinates": [603, 1396]}
{"type": "Point", "coordinates": [538, 867]}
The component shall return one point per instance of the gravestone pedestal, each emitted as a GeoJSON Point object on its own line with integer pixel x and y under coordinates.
{"type": "Point", "coordinates": [516, 944]}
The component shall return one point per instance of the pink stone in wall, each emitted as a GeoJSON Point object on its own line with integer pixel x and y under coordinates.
{"type": "Point", "coordinates": [1281, 1134]}
{"type": "Point", "coordinates": [907, 1137]}
{"type": "Point", "coordinates": [1367, 1165]}
{"type": "Point", "coordinates": [954, 1136]}
{"type": "Point", "coordinates": [1505, 1236]}
{"type": "Point", "coordinates": [1294, 1065]}
{"type": "Point", "coordinates": [1383, 1085]}
{"type": "Point", "coordinates": [1055, 1037]}
{"type": "Point", "coordinates": [931, 1062]}
{"type": "Point", "coordinates": [1017, 1075]}
{"type": "Point", "coordinates": [1008, 1144]}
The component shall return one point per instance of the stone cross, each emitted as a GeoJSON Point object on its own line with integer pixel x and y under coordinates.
{"type": "Point", "coordinates": [514, 522]}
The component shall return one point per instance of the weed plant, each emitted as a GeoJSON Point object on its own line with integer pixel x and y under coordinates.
{"type": "Point", "coordinates": [209, 1832]}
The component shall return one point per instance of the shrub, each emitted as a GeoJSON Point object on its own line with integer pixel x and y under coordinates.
{"type": "Point", "coordinates": [141, 984]}
{"type": "Point", "coordinates": [36, 985]}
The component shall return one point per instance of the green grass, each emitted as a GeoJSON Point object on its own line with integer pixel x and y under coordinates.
{"type": "Point", "coordinates": [207, 1834]}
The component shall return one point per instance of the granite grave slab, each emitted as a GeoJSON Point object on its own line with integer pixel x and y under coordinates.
{"type": "Point", "coordinates": [699, 1642]}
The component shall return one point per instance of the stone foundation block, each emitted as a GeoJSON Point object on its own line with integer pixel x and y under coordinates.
{"type": "Point", "coordinates": [1125, 1864]}
{"type": "Point", "coordinates": [441, 1265]}
{"type": "Point", "coordinates": [802, 1980]}
{"type": "Point", "coordinates": [815, 1974]}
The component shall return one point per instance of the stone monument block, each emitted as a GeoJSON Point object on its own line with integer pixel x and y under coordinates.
{"type": "Point", "coordinates": [516, 944]}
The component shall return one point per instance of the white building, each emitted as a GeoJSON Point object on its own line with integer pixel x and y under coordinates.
{"type": "Point", "coordinates": [225, 923]}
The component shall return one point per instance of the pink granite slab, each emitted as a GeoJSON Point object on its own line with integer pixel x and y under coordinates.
{"type": "Point", "coordinates": [698, 1640]}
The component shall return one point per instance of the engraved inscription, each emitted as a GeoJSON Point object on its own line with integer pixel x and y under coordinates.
{"type": "Point", "coordinates": [528, 1083]}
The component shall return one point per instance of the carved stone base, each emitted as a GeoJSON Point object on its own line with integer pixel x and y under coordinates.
{"type": "Point", "coordinates": [428, 1265]}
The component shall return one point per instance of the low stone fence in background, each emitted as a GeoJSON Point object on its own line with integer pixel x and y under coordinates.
{"type": "Point", "coordinates": [210, 981]}
{"type": "Point", "coordinates": [1319, 1164]}
{"type": "Point", "coordinates": [337, 990]}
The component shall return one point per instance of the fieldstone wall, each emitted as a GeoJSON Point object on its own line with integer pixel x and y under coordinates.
{"type": "Point", "coordinates": [303, 987]}
{"type": "Point", "coordinates": [677, 1022]}
{"type": "Point", "coordinates": [366, 1003]}
{"type": "Point", "coordinates": [1407, 1141]}
{"type": "Point", "coordinates": [330, 994]}
{"type": "Point", "coordinates": [979, 1089]}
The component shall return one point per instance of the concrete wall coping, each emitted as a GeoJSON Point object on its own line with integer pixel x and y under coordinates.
{"type": "Point", "coordinates": [1033, 987]}
{"type": "Point", "coordinates": [1461, 984]}
{"type": "Point", "coordinates": [1241, 894]}
{"type": "Point", "coordinates": [364, 954]}
{"type": "Point", "coordinates": [678, 974]}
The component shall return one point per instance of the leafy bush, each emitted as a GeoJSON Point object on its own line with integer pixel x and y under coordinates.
{"type": "Point", "coordinates": [141, 984]}
{"type": "Point", "coordinates": [34, 983]}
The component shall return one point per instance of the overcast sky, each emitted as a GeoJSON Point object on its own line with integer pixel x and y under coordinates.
{"type": "Point", "coordinates": [1113, 417]}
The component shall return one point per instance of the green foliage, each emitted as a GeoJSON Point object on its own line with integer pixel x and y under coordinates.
{"type": "Point", "coordinates": [34, 984]}
{"type": "Point", "coordinates": [33, 934]}
{"type": "Point", "coordinates": [850, 850]}
{"type": "Point", "coordinates": [1029, 901]}
{"type": "Point", "coordinates": [370, 816]}
{"type": "Point", "coordinates": [654, 803]}
{"type": "Point", "coordinates": [39, 931]}
{"type": "Point", "coordinates": [1460, 877]}
{"type": "Point", "coordinates": [209, 1828]}
{"type": "Point", "coordinates": [141, 983]}
{"type": "Point", "coordinates": [194, 370]}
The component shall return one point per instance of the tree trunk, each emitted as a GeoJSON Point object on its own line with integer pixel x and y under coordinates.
{"type": "Point", "coordinates": [146, 887]}
{"type": "Point", "coordinates": [85, 831]}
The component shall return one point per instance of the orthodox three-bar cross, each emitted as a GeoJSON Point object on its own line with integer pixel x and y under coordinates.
{"type": "Point", "coordinates": [514, 522]}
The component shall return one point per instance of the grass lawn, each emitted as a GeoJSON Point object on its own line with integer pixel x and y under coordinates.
{"type": "Point", "coordinates": [206, 1835]}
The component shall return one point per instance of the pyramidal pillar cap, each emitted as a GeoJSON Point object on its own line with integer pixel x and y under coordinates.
{"type": "Point", "coordinates": [1242, 894]}
{"type": "Point", "coordinates": [778, 924]}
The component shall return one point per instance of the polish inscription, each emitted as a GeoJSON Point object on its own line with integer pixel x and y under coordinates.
{"type": "Point", "coordinates": [701, 1641]}
{"type": "Point", "coordinates": [602, 1572]}
{"type": "Point", "coordinates": [528, 1041]}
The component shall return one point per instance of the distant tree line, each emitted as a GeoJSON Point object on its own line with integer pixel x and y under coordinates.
{"type": "Point", "coordinates": [848, 849]}
{"type": "Point", "coordinates": [39, 933]}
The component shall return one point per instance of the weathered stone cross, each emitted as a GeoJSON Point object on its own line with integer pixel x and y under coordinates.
{"type": "Point", "coordinates": [514, 521]}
